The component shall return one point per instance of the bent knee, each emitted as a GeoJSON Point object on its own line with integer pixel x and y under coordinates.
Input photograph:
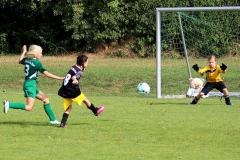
{"type": "Point", "coordinates": [46, 101]}
{"type": "Point", "coordinates": [225, 91]}
{"type": "Point", "coordinates": [29, 107]}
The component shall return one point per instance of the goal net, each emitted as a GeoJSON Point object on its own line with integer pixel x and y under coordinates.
{"type": "Point", "coordinates": [193, 32]}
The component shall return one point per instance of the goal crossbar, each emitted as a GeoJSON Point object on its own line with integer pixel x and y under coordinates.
{"type": "Point", "coordinates": [197, 9]}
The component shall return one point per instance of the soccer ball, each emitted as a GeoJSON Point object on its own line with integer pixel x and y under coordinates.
{"type": "Point", "coordinates": [143, 88]}
{"type": "Point", "coordinates": [196, 83]}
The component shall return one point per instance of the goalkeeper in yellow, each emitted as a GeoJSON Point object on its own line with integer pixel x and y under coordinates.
{"type": "Point", "coordinates": [214, 80]}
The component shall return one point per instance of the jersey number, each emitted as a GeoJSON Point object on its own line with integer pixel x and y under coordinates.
{"type": "Point", "coordinates": [27, 70]}
{"type": "Point", "coordinates": [67, 78]}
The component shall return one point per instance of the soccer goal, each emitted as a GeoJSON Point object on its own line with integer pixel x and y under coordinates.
{"type": "Point", "coordinates": [191, 31]}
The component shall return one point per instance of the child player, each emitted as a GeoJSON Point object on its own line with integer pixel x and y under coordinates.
{"type": "Point", "coordinates": [32, 65]}
{"type": "Point", "coordinates": [214, 80]}
{"type": "Point", "coordinates": [71, 92]}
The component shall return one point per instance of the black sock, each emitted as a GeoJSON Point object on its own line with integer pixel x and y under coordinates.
{"type": "Point", "coordinates": [195, 100]}
{"type": "Point", "coordinates": [64, 119]}
{"type": "Point", "coordinates": [93, 108]}
{"type": "Point", "coordinates": [227, 101]}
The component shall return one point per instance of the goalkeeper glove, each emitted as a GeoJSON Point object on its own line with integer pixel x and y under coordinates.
{"type": "Point", "coordinates": [223, 67]}
{"type": "Point", "coordinates": [195, 67]}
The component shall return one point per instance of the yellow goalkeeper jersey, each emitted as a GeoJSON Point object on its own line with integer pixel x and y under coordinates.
{"type": "Point", "coordinates": [212, 74]}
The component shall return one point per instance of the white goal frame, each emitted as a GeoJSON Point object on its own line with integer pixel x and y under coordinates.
{"type": "Point", "coordinates": [158, 36]}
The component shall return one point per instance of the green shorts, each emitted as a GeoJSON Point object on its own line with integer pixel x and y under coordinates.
{"type": "Point", "coordinates": [30, 88]}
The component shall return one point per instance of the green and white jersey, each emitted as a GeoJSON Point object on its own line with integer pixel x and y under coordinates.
{"type": "Point", "coordinates": [32, 67]}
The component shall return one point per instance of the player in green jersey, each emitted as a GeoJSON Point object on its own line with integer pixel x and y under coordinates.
{"type": "Point", "coordinates": [31, 91]}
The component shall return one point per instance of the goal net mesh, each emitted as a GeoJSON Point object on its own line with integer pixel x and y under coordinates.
{"type": "Point", "coordinates": [205, 33]}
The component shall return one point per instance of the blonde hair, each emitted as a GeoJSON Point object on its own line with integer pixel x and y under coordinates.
{"type": "Point", "coordinates": [33, 49]}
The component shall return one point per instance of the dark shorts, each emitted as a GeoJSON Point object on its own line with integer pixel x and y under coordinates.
{"type": "Point", "coordinates": [213, 85]}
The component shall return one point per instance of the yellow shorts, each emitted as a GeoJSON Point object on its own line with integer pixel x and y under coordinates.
{"type": "Point", "coordinates": [68, 101]}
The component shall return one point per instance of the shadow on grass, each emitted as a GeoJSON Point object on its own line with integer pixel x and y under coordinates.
{"type": "Point", "coordinates": [25, 123]}
{"type": "Point", "coordinates": [38, 124]}
{"type": "Point", "coordinates": [78, 124]}
{"type": "Point", "coordinates": [169, 103]}
{"type": "Point", "coordinates": [184, 104]}
{"type": "Point", "coordinates": [42, 123]}
{"type": "Point", "coordinates": [106, 120]}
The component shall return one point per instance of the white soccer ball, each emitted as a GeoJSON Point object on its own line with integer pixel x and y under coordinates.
{"type": "Point", "coordinates": [143, 88]}
{"type": "Point", "coordinates": [196, 83]}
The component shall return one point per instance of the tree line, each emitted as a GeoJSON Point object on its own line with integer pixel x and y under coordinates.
{"type": "Point", "coordinates": [86, 25]}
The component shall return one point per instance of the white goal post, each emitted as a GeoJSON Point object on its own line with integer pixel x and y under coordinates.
{"type": "Point", "coordinates": [158, 36]}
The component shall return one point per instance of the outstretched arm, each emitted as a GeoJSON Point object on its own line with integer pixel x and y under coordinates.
{"type": "Point", "coordinates": [50, 75]}
{"type": "Point", "coordinates": [24, 51]}
{"type": "Point", "coordinates": [199, 70]}
{"type": "Point", "coordinates": [195, 67]}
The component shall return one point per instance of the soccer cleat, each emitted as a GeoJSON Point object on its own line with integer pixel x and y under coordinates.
{"type": "Point", "coordinates": [227, 101]}
{"type": "Point", "coordinates": [194, 101]}
{"type": "Point", "coordinates": [55, 122]}
{"type": "Point", "coordinates": [62, 125]}
{"type": "Point", "coordinates": [99, 110]}
{"type": "Point", "coordinates": [5, 106]}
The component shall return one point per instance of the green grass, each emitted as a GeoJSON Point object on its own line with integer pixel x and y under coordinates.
{"type": "Point", "coordinates": [114, 76]}
{"type": "Point", "coordinates": [132, 127]}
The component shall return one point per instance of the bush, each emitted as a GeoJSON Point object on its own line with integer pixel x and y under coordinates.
{"type": "Point", "coordinates": [119, 53]}
{"type": "Point", "coordinates": [83, 25]}
{"type": "Point", "coordinates": [3, 43]}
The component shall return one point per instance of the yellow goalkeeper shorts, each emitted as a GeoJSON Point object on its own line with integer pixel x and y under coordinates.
{"type": "Point", "coordinates": [68, 101]}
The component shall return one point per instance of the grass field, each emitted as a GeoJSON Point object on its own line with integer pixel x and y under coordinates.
{"type": "Point", "coordinates": [132, 127]}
